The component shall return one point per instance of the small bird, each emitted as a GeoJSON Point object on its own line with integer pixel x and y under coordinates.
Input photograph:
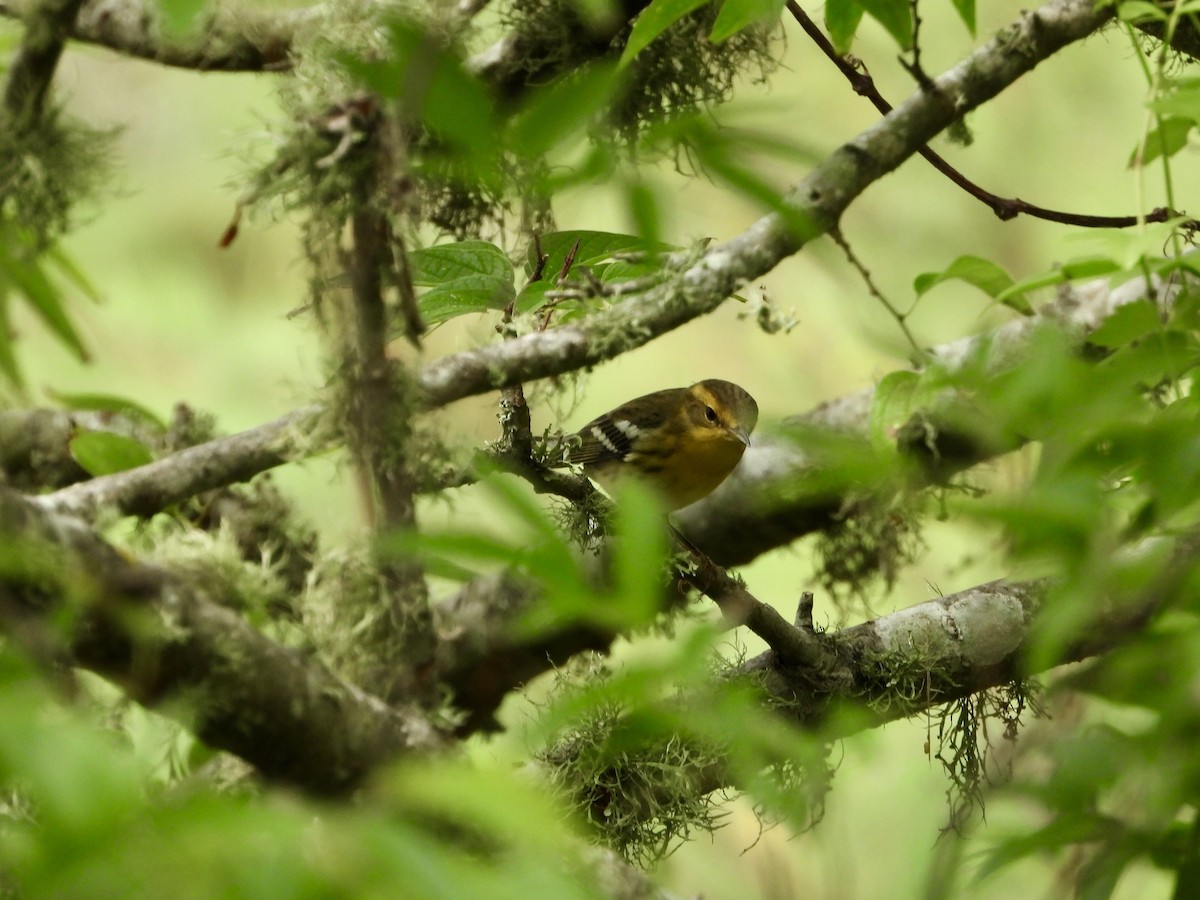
{"type": "Point", "coordinates": [683, 442]}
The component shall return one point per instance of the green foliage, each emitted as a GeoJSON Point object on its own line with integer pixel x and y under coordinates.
{"type": "Point", "coordinates": [595, 257]}
{"type": "Point", "coordinates": [47, 173]}
{"type": "Point", "coordinates": [109, 403]}
{"type": "Point", "coordinates": [467, 277]}
{"type": "Point", "coordinates": [425, 77]}
{"type": "Point", "coordinates": [94, 826]}
{"type": "Point", "coordinates": [179, 16]}
{"type": "Point", "coordinates": [1110, 510]}
{"type": "Point", "coordinates": [103, 452]}
{"type": "Point", "coordinates": [624, 589]}
{"type": "Point", "coordinates": [981, 273]}
{"type": "Point", "coordinates": [656, 18]}
{"type": "Point", "coordinates": [639, 751]}
{"type": "Point", "coordinates": [409, 125]}
{"type": "Point", "coordinates": [843, 16]}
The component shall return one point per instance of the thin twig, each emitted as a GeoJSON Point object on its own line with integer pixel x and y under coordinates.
{"type": "Point", "coordinates": [901, 318]}
{"type": "Point", "coordinates": [793, 646]}
{"type": "Point", "coordinates": [1004, 207]}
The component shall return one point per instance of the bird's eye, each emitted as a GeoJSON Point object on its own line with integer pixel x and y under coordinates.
{"type": "Point", "coordinates": [710, 414]}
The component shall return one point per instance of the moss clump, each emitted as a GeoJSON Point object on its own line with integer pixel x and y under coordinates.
{"type": "Point", "coordinates": [644, 797]}
{"type": "Point", "coordinates": [46, 173]}
{"type": "Point", "coordinates": [868, 543]}
{"type": "Point", "coordinates": [682, 72]}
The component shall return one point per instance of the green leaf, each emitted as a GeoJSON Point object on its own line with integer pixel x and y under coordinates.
{"type": "Point", "coordinates": [1134, 11]}
{"type": "Point", "coordinates": [102, 452]}
{"type": "Point", "coordinates": [594, 247]}
{"type": "Point", "coordinates": [1179, 98]}
{"type": "Point", "coordinates": [532, 296]}
{"type": "Point", "coordinates": [109, 403]}
{"type": "Point", "coordinates": [1076, 828]}
{"type": "Point", "coordinates": [1124, 248]}
{"type": "Point", "coordinates": [736, 15]}
{"type": "Point", "coordinates": [432, 85]}
{"type": "Point", "coordinates": [974, 270]}
{"type": "Point", "coordinates": [72, 273]}
{"type": "Point", "coordinates": [966, 12]}
{"type": "Point", "coordinates": [467, 277]}
{"type": "Point", "coordinates": [179, 16]}
{"type": "Point", "coordinates": [644, 208]}
{"type": "Point", "coordinates": [31, 281]}
{"type": "Point", "coordinates": [1127, 324]}
{"type": "Point", "coordinates": [444, 263]}
{"type": "Point", "coordinates": [1090, 267]}
{"type": "Point", "coordinates": [893, 15]}
{"type": "Point", "coordinates": [462, 297]}
{"type": "Point", "coordinates": [1166, 140]}
{"type": "Point", "coordinates": [560, 110]}
{"type": "Point", "coordinates": [653, 21]}
{"type": "Point", "coordinates": [8, 359]}
{"type": "Point", "coordinates": [640, 549]}
{"type": "Point", "coordinates": [890, 401]}
{"type": "Point", "coordinates": [842, 18]}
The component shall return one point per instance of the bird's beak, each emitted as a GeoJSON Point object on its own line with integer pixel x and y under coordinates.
{"type": "Point", "coordinates": [741, 434]}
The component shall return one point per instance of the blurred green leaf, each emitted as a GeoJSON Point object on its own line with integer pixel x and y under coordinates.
{"type": "Point", "coordinates": [1134, 11]}
{"type": "Point", "coordinates": [1064, 831]}
{"type": "Point", "coordinates": [108, 403]}
{"type": "Point", "coordinates": [1166, 140]}
{"type": "Point", "coordinates": [735, 15]}
{"type": "Point", "coordinates": [966, 12]}
{"type": "Point", "coordinates": [1125, 248]}
{"type": "Point", "coordinates": [1127, 324]}
{"type": "Point", "coordinates": [895, 16]}
{"type": "Point", "coordinates": [978, 272]}
{"type": "Point", "coordinates": [562, 109]}
{"type": "Point", "coordinates": [31, 281]}
{"type": "Point", "coordinates": [103, 452]}
{"type": "Point", "coordinates": [639, 550]}
{"type": "Point", "coordinates": [653, 21]}
{"type": "Point", "coordinates": [644, 208]}
{"type": "Point", "coordinates": [66, 267]}
{"type": "Point", "coordinates": [8, 359]}
{"type": "Point", "coordinates": [1179, 98]}
{"type": "Point", "coordinates": [179, 16]}
{"type": "Point", "coordinates": [1071, 271]}
{"type": "Point", "coordinates": [431, 83]}
{"type": "Point", "coordinates": [842, 18]}
{"type": "Point", "coordinates": [891, 401]}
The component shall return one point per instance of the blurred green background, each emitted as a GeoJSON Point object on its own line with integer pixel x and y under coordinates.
{"type": "Point", "coordinates": [185, 321]}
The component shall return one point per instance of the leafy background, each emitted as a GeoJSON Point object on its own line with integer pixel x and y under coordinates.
{"type": "Point", "coordinates": [181, 319]}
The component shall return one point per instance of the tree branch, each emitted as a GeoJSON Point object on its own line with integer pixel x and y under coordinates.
{"type": "Point", "coordinates": [46, 30]}
{"type": "Point", "coordinates": [1005, 208]}
{"type": "Point", "coordinates": [167, 641]}
{"type": "Point", "coordinates": [810, 210]}
{"type": "Point", "coordinates": [241, 40]}
{"type": "Point", "coordinates": [775, 495]}
{"type": "Point", "coordinates": [153, 487]}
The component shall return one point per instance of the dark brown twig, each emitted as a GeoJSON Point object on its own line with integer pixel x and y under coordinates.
{"type": "Point", "coordinates": [793, 645]}
{"type": "Point", "coordinates": [1005, 208]}
{"type": "Point", "coordinates": [901, 318]}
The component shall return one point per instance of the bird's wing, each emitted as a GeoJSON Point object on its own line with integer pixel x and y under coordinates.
{"type": "Point", "coordinates": [614, 435]}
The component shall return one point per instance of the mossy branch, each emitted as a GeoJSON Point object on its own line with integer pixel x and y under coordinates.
{"type": "Point", "coordinates": [229, 40]}
{"type": "Point", "coordinates": [168, 641]}
{"type": "Point", "coordinates": [46, 30]}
